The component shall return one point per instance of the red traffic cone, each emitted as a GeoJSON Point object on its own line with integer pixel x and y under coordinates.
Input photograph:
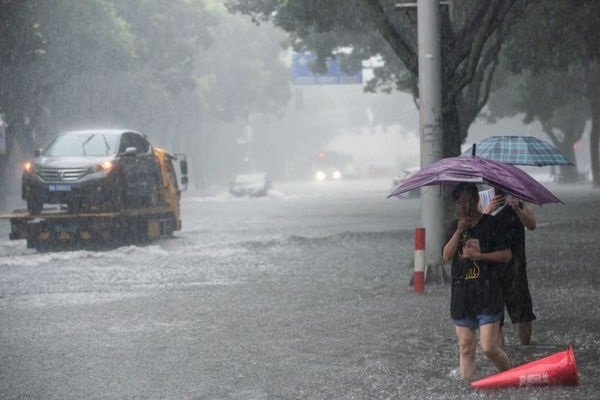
{"type": "Point", "coordinates": [557, 369]}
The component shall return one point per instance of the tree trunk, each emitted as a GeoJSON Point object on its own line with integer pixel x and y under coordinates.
{"type": "Point", "coordinates": [452, 129]}
{"type": "Point", "coordinates": [568, 173]}
{"type": "Point", "coordinates": [451, 138]}
{"type": "Point", "coordinates": [3, 183]}
{"type": "Point", "coordinates": [592, 78]}
{"type": "Point", "coordinates": [5, 167]}
{"type": "Point", "coordinates": [595, 141]}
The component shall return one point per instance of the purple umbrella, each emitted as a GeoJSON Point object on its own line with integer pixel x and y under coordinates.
{"type": "Point", "coordinates": [508, 178]}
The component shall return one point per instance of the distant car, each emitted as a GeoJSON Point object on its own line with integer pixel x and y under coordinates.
{"type": "Point", "coordinates": [334, 165]}
{"type": "Point", "coordinates": [403, 176]}
{"type": "Point", "coordinates": [255, 185]}
{"type": "Point", "coordinates": [331, 173]}
{"type": "Point", "coordinates": [97, 168]}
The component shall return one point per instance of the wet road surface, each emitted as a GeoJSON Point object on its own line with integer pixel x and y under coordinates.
{"type": "Point", "coordinates": [301, 295]}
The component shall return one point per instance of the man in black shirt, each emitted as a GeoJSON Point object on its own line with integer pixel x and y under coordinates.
{"type": "Point", "coordinates": [514, 216]}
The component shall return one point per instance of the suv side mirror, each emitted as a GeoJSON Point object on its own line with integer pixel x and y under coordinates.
{"type": "Point", "coordinates": [130, 151]}
{"type": "Point", "coordinates": [184, 170]}
{"type": "Point", "coordinates": [184, 167]}
{"type": "Point", "coordinates": [37, 152]}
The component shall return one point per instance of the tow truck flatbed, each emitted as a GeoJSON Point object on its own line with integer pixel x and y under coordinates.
{"type": "Point", "coordinates": [60, 213]}
{"type": "Point", "coordinates": [58, 229]}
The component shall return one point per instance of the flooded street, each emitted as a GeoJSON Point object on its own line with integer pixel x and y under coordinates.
{"type": "Point", "coordinates": [303, 294]}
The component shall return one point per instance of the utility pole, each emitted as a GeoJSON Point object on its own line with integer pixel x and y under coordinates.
{"type": "Point", "coordinates": [430, 109]}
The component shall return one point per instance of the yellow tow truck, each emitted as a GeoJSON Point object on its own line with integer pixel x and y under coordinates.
{"type": "Point", "coordinates": [58, 229]}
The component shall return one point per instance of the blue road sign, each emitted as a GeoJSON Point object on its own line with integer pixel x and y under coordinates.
{"type": "Point", "coordinates": [334, 75]}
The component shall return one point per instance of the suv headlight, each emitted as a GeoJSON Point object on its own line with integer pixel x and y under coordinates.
{"type": "Point", "coordinates": [29, 167]}
{"type": "Point", "coordinates": [105, 166]}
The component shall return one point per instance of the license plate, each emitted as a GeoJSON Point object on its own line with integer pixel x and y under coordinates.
{"type": "Point", "coordinates": [59, 187]}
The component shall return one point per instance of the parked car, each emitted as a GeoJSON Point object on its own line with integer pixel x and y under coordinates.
{"type": "Point", "coordinates": [89, 169]}
{"type": "Point", "coordinates": [403, 176]}
{"type": "Point", "coordinates": [255, 185]}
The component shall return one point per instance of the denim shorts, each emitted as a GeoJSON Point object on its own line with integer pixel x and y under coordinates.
{"type": "Point", "coordinates": [479, 320]}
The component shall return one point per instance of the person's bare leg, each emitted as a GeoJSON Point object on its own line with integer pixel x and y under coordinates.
{"type": "Point", "coordinates": [489, 339]}
{"type": "Point", "coordinates": [524, 329]}
{"type": "Point", "coordinates": [466, 348]}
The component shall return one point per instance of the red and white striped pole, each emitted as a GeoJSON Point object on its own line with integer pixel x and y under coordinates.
{"type": "Point", "coordinates": [419, 272]}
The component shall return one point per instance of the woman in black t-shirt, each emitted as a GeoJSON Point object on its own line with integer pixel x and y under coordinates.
{"type": "Point", "coordinates": [477, 252]}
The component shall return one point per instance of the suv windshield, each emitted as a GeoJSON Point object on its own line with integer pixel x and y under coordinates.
{"type": "Point", "coordinates": [86, 144]}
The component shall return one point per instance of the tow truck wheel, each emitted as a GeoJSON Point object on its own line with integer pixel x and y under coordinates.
{"type": "Point", "coordinates": [171, 224]}
{"type": "Point", "coordinates": [34, 206]}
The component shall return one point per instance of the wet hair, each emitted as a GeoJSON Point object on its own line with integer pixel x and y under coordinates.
{"type": "Point", "coordinates": [468, 187]}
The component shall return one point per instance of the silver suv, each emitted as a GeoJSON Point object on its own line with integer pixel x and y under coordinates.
{"type": "Point", "coordinates": [92, 169]}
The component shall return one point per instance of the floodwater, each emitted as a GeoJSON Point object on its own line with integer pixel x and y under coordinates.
{"type": "Point", "coordinates": [301, 295]}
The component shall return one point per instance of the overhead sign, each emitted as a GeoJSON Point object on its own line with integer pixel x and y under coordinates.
{"type": "Point", "coordinates": [333, 76]}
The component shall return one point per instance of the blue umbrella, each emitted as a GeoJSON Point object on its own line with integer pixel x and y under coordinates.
{"type": "Point", "coordinates": [518, 150]}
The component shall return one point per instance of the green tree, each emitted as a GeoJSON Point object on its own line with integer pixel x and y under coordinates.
{"type": "Point", "coordinates": [241, 79]}
{"type": "Point", "coordinates": [21, 43]}
{"type": "Point", "coordinates": [201, 72]}
{"type": "Point", "coordinates": [43, 45]}
{"type": "Point", "coordinates": [472, 33]}
{"type": "Point", "coordinates": [138, 64]}
{"type": "Point", "coordinates": [556, 99]}
{"type": "Point", "coordinates": [558, 46]}
{"type": "Point", "coordinates": [169, 38]}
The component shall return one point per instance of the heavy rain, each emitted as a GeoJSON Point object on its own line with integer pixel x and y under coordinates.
{"type": "Point", "coordinates": [213, 220]}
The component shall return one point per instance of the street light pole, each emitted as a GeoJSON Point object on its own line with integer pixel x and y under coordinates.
{"type": "Point", "coordinates": [430, 109]}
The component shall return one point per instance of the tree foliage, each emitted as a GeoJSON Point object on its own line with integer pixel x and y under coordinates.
{"type": "Point", "coordinates": [472, 33]}
{"type": "Point", "coordinates": [138, 64]}
{"type": "Point", "coordinates": [555, 99]}
{"type": "Point", "coordinates": [555, 52]}
{"type": "Point", "coordinates": [59, 41]}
